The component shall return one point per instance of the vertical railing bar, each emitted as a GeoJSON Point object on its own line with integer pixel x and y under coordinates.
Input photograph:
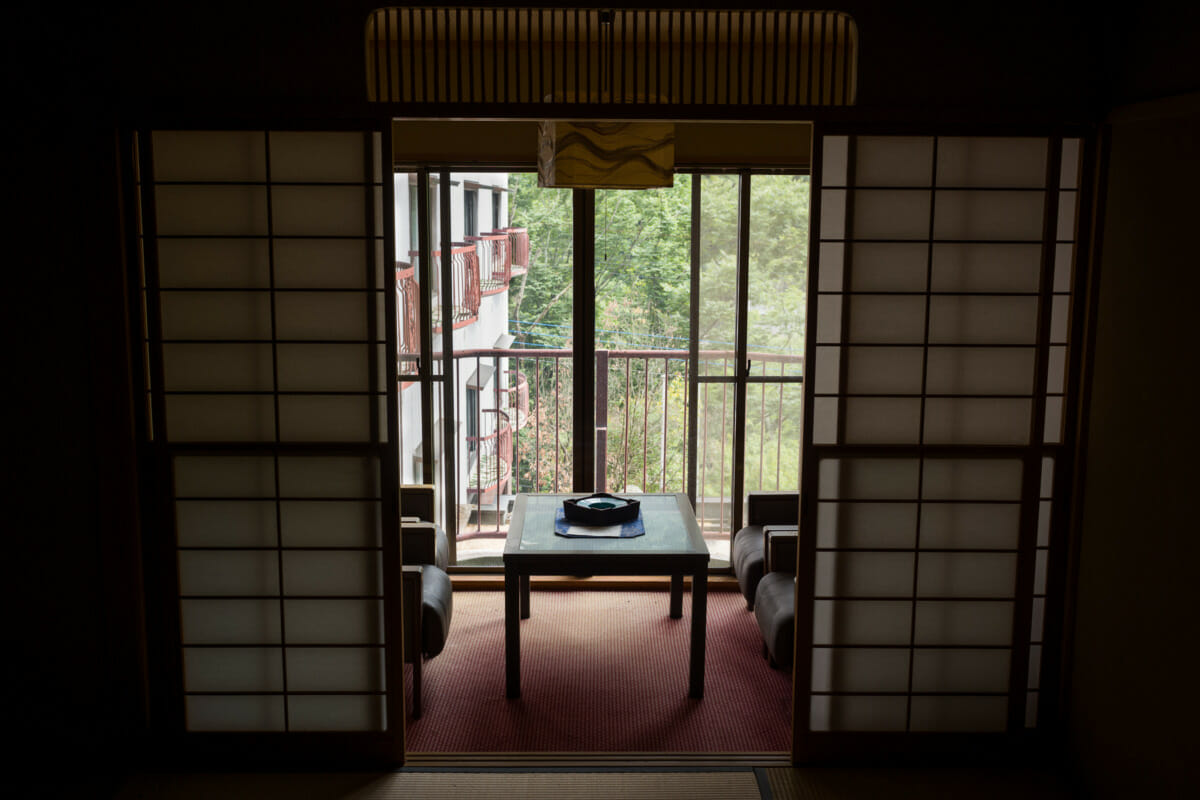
{"type": "Point", "coordinates": [666, 413]}
{"type": "Point", "coordinates": [724, 407]}
{"type": "Point", "coordinates": [779, 428]}
{"type": "Point", "coordinates": [645, 420]}
{"type": "Point", "coordinates": [762, 425]}
{"type": "Point", "coordinates": [557, 404]}
{"type": "Point", "coordinates": [625, 430]}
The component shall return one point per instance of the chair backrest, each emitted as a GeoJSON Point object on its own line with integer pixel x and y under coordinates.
{"type": "Point", "coordinates": [416, 500]}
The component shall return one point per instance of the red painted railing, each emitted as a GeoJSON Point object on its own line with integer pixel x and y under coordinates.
{"type": "Point", "coordinates": [518, 245]}
{"type": "Point", "coordinates": [408, 321]}
{"type": "Point", "coordinates": [495, 261]}
{"type": "Point", "coordinates": [464, 283]}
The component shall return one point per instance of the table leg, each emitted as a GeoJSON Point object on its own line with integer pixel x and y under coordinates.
{"type": "Point", "coordinates": [524, 596]}
{"type": "Point", "coordinates": [512, 633]}
{"type": "Point", "coordinates": [699, 626]}
{"type": "Point", "coordinates": [676, 596]}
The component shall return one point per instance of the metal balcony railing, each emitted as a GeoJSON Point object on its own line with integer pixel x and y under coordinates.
{"type": "Point", "coordinates": [495, 261]}
{"type": "Point", "coordinates": [518, 245]}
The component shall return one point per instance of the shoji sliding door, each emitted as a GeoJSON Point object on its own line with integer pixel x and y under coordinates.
{"type": "Point", "coordinates": [270, 429]}
{"type": "Point", "coordinates": [941, 295]}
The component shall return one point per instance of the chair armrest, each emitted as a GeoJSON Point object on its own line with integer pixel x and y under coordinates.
{"type": "Point", "coordinates": [410, 581]}
{"type": "Point", "coordinates": [418, 543]}
{"type": "Point", "coordinates": [773, 508]}
{"type": "Point", "coordinates": [779, 550]}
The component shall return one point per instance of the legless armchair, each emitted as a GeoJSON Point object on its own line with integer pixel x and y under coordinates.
{"type": "Point", "coordinates": [428, 596]}
{"type": "Point", "coordinates": [764, 510]}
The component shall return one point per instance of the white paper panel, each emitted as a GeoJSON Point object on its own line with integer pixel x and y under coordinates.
{"type": "Point", "coordinates": [221, 367]}
{"type": "Point", "coordinates": [1043, 534]}
{"type": "Point", "coordinates": [211, 210]}
{"type": "Point", "coordinates": [224, 476]}
{"type": "Point", "coordinates": [980, 370]}
{"type": "Point", "coordinates": [826, 373]}
{"type": "Point", "coordinates": [891, 214]}
{"type": "Point", "coordinates": [851, 713]}
{"type": "Point", "coordinates": [980, 215]}
{"type": "Point", "coordinates": [825, 420]}
{"type": "Point", "coordinates": [864, 574]}
{"type": "Point", "coordinates": [868, 479]}
{"type": "Point", "coordinates": [328, 476]}
{"type": "Point", "coordinates": [975, 420]}
{"type": "Point", "coordinates": [1064, 258]}
{"type": "Point", "coordinates": [829, 318]}
{"type": "Point", "coordinates": [1060, 306]}
{"type": "Point", "coordinates": [321, 264]}
{"type": "Point", "coordinates": [960, 670]}
{"type": "Point", "coordinates": [321, 315]}
{"type": "Point", "coordinates": [966, 574]}
{"type": "Point", "coordinates": [335, 713]}
{"type": "Point", "coordinates": [834, 160]}
{"type": "Point", "coordinates": [984, 161]}
{"type": "Point", "coordinates": [1065, 231]}
{"type": "Point", "coordinates": [889, 266]}
{"type": "Point", "coordinates": [1069, 172]}
{"type": "Point", "coordinates": [225, 523]}
{"type": "Point", "coordinates": [866, 524]}
{"type": "Point", "coordinates": [209, 155]}
{"type": "Point", "coordinates": [318, 211]}
{"type": "Point", "coordinates": [217, 418]}
{"type": "Point", "coordinates": [216, 263]}
{"type": "Point", "coordinates": [1056, 369]}
{"type": "Point", "coordinates": [228, 572]}
{"type": "Point", "coordinates": [334, 621]}
{"type": "Point", "coordinates": [859, 670]}
{"type": "Point", "coordinates": [967, 714]}
{"type": "Point", "coordinates": [833, 256]}
{"type": "Point", "coordinates": [326, 572]}
{"type": "Point", "coordinates": [1037, 620]}
{"type": "Point", "coordinates": [335, 669]}
{"type": "Point", "coordinates": [230, 621]}
{"type": "Point", "coordinates": [216, 315]}
{"type": "Point", "coordinates": [883, 370]}
{"type": "Point", "coordinates": [1047, 477]}
{"type": "Point", "coordinates": [972, 479]}
{"type": "Point", "coordinates": [1039, 572]}
{"type": "Point", "coordinates": [1035, 666]}
{"type": "Point", "coordinates": [882, 420]}
{"type": "Point", "coordinates": [317, 156]}
{"type": "Point", "coordinates": [983, 320]}
{"type": "Point", "coordinates": [331, 524]}
{"type": "Point", "coordinates": [1053, 426]}
{"type": "Point", "coordinates": [325, 418]}
{"type": "Point", "coordinates": [235, 713]}
{"type": "Point", "coordinates": [233, 669]}
{"type": "Point", "coordinates": [220, 418]}
{"type": "Point", "coordinates": [861, 622]}
{"type": "Point", "coordinates": [984, 526]}
{"type": "Point", "coordinates": [893, 160]}
{"type": "Point", "coordinates": [953, 623]}
{"type": "Point", "coordinates": [323, 367]}
{"type": "Point", "coordinates": [992, 267]}
{"type": "Point", "coordinates": [833, 213]}
{"type": "Point", "coordinates": [887, 319]}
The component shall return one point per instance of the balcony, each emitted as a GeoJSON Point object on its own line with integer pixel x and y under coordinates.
{"type": "Point", "coordinates": [525, 423]}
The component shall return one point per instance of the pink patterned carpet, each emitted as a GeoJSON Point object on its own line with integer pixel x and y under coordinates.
{"type": "Point", "coordinates": [602, 671]}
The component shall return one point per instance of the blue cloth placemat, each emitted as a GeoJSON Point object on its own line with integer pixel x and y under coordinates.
{"type": "Point", "coordinates": [625, 531]}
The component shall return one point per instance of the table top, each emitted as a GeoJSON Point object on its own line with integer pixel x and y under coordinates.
{"type": "Point", "coordinates": [670, 524]}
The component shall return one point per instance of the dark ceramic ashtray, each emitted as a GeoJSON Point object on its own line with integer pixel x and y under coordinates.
{"type": "Point", "coordinates": [600, 509]}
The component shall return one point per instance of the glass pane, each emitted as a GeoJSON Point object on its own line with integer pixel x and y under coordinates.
{"type": "Point", "coordinates": [718, 273]}
{"type": "Point", "coordinates": [778, 279]}
{"type": "Point", "coordinates": [643, 295]}
{"type": "Point", "coordinates": [714, 465]}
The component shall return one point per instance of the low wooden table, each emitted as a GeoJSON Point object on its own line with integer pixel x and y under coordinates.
{"type": "Point", "coordinates": [671, 546]}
